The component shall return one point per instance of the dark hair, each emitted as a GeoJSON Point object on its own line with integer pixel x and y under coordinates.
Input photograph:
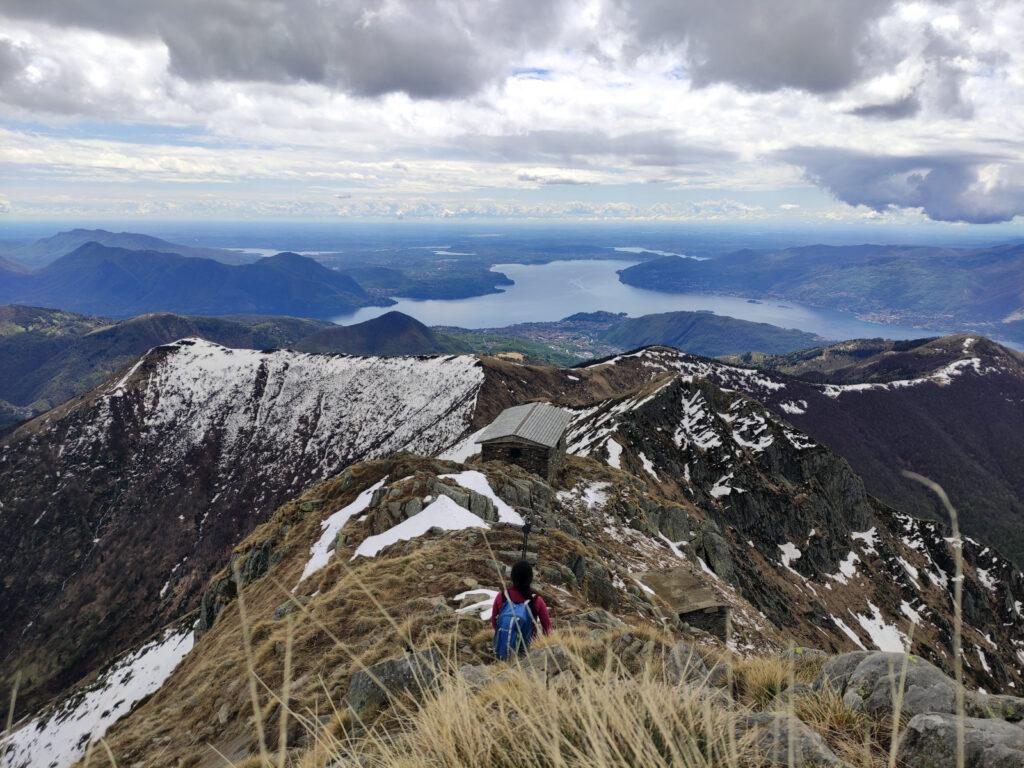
{"type": "Point", "coordinates": [522, 578]}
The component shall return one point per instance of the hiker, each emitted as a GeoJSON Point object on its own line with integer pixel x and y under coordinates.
{"type": "Point", "coordinates": [515, 619]}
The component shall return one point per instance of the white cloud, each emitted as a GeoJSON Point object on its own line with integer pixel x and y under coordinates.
{"type": "Point", "coordinates": [429, 102]}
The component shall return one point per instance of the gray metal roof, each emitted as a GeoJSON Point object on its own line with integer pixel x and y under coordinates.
{"type": "Point", "coordinates": [536, 422]}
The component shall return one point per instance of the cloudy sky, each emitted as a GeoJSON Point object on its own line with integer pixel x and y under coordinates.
{"type": "Point", "coordinates": [689, 110]}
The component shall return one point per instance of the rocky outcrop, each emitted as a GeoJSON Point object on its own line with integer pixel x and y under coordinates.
{"type": "Point", "coordinates": [782, 740]}
{"type": "Point", "coordinates": [930, 741]}
{"type": "Point", "coordinates": [392, 683]}
{"type": "Point", "coordinates": [870, 682]}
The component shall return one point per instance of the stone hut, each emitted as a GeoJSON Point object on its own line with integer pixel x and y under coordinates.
{"type": "Point", "coordinates": [691, 600]}
{"type": "Point", "coordinates": [531, 436]}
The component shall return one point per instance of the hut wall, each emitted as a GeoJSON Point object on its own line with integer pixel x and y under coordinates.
{"type": "Point", "coordinates": [530, 456]}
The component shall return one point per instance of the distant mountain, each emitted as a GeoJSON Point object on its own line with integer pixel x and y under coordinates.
{"type": "Point", "coordinates": [393, 333]}
{"type": "Point", "coordinates": [9, 266]}
{"type": "Point", "coordinates": [946, 288]}
{"type": "Point", "coordinates": [116, 282]}
{"type": "Point", "coordinates": [49, 249]}
{"type": "Point", "coordinates": [705, 333]}
{"type": "Point", "coordinates": [589, 335]}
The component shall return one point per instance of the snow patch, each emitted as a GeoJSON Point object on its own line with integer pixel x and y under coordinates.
{"type": "Point", "coordinates": [790, 554]}
{"type": "Point", "coordinates": [58, 738]}
{"type": "Point", "coordinates": [464, 449]}
{"type": "Point", "coordinates": [648, 466]}
{"type": "Point", "coordinates": [484, 606]}
{"type": "Point", "coordinates": [885, 636]}
{"type": "Point", "coordinates": [847, 568]}
{"type": "Point", "coordinates": [477, 481]}
{"type": "Point", "coordinates": [320, 553]}
{"type": "Point", "coordinates": [442, 513]}
{"type": "Point", "coordinates": [942, 377]}
{"type": "Point", "coordinates": [869, 538]}
{"type": "Point", "coordinates": [614, 453]}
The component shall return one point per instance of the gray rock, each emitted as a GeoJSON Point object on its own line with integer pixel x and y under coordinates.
{"type": "Point", "coordinates": [372, 690]}
{"type": "Point", "coordinates": [719, 675]}
{"type": "Point", "coordinates": [773, 733]}
{"type": "Point", "coordinates": [929, 741]}
{"type": "Point", "coordinates": [868, 680]}
{"type": "Point", "coordinates": [993, 706]}
{"type": "Point", "coordinates": [290, 606]}
{"type": "Point", "coordinates": [599, 587]}
{"type": "Point", "coordinates": [685, 665]}
{"type": "Point", "coordinates": [476, 675]}
{"type": "Point", "coordinates": [799, 653]}
{"type": "Point", "coordinates": [598, 617]}
{"type": "Point", "coordinates": [790, 694]}
{"type": "Point", "coordinates": [550, 661]}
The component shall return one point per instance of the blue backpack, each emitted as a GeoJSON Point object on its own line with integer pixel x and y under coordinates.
{"type": "Point", "coordinates": [514, 628]}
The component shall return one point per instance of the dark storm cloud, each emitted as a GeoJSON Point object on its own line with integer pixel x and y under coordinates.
{"type": "Point", "coordinates": [947, 187]}
{"type": "Point", "coordinates": [579, 148]}
{"type": "Point", "coordinates": [898, 109]}
{"type": "Point", "coordinates": [425, 48]}
{"type": "Point", "coordinates": [820, 46]}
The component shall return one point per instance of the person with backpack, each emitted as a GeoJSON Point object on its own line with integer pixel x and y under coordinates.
{"type": "Point", "coordinates": [516, 613]}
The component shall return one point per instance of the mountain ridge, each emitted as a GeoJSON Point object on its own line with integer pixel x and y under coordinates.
{"type": "Point", "coordinates": [238, 432]}
{"type": "Point", "coordinates": [668, 471]}
{"type": "Point", "coordinates": [946, 288]}
{"type": "Point", "coordinates": [46, 250]}
{"type": "Point", "coordinates": [117, 282]}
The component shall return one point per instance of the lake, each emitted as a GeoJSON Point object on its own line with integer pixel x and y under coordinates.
{"type": "Point", "coordinates": [544, 292]}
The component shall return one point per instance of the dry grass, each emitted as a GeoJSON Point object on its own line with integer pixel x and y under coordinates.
{"type": "Point", "coordinates": [759, 681]}
{"type": "Point", "coordinates": [585, 717]}
{"type": "Point", "coordinates": [851, 734]}
{"type": "Point", "coordinates": [606, 711]}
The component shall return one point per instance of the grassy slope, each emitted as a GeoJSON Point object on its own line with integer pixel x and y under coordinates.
{"type": "Point", "coordinates": [615, 708]}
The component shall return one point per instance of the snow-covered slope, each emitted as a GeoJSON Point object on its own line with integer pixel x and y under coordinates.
{"type": "Point", "coordinates": [117, 506]}
{"type": "Point", "coordinates": [60, 736]}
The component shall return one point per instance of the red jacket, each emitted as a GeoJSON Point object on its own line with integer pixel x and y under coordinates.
{"type": "Point", "coordinates": [538, 607]}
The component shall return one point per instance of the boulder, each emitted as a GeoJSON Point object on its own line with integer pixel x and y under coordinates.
{"type": "Point", "coordinates": [549, 661]}
{"type": "Point", "coordinates": [929, 741]}
{"type": "Point", "coordinates": [773, 734]}
{"type": "Point", "coordinates": [868, 681]}
{"type": "Point", "coordinates": [373, 689]}
{"type": "Point", "coordinates": [685, 665]}
{"type": "Point", "coordinates": [599, 587]}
